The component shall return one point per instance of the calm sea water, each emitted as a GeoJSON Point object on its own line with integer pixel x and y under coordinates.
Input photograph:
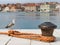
{"type": "Point", "coordinates": [28, 20]}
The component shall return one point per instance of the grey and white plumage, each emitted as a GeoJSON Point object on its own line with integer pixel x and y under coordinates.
{"type": "Point", "coordinates": [10, 24]}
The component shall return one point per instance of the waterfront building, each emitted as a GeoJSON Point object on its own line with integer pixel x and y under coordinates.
{"type": "Point", "coordinates": [58, 7]}
{"type": "Point", "coordinates": [44, 8]}
{"type": "Point", "coordinates": [52, 7]}
{"type": "Point", "coordinates": [18, 7]}
{"type": "Point", "coordinates": [47, 7]}
{"type": "Point", "coordinates": [13, 9]}
{"type": "Point", "coordinates": [3, 6]}
{"type": "Point", "coordinates": [6, 9]}
{"type": "Point", "coordinates": [30, 7]}
{"type": "Point", "coordinates": [38, 7]}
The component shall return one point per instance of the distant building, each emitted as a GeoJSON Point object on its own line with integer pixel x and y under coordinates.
{"type": "Point", "coordinates": [52, 7]}
{"type": "Point", "coordinates": [58, 7]}
{"type": "Point", "coordinates": [30, 7]}
{"type": "Point", "coordinates": [18, 6]}
{"type": "Point", "coordinates": [3, 6]}
{"type": "Point", "coordinates": [47, 7]}
{"type": "Point", "coordinates": [44, 8]}
{"type": "Point", "coordinates": [38, 7]}
{"type": "Point", "coordinates": [6, 9]}
{"type": "Point", "coordinates": [13, 9]}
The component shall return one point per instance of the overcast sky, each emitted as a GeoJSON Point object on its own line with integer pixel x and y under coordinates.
{"type": "Point", "coordinates": [26, 1]}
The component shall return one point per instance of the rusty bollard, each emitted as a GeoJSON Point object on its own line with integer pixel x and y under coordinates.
{"type": "Point", "coordinates": [47, 29]}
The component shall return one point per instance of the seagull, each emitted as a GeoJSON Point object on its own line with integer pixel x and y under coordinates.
{"type": "Point", "coordinates": [10, 24]}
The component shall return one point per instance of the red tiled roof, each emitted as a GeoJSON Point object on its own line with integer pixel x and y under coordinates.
{"type": "Point", "coordinates": [29, 4]}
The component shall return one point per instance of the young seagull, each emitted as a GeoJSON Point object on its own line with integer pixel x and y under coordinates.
{"type": "Point", "coordinates": [10, 24]}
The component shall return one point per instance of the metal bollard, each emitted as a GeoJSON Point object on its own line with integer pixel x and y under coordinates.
{"type": "Point", "coordinates": [47, 28]}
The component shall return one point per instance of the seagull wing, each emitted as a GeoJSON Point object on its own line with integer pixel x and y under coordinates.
{"type": "Point", "coordinates": [10, 24]}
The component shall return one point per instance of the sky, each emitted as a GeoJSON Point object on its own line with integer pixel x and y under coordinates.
{"type": "Point", "coordinates": [27, 1]}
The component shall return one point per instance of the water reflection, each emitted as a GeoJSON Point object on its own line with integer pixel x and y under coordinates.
{"type": "Point", "coordinates": [29, 20]}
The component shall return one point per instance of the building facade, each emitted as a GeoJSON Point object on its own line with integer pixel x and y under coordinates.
{"type": "Point", "coordinates": [44, 8]}
{"type": "Point", "coordinates": [30, 7]}
{"type": "Point", "coordinates": [58, 7]}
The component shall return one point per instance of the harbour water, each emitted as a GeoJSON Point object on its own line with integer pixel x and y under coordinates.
{"type": "Point", "coordinates": [28, 20]}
